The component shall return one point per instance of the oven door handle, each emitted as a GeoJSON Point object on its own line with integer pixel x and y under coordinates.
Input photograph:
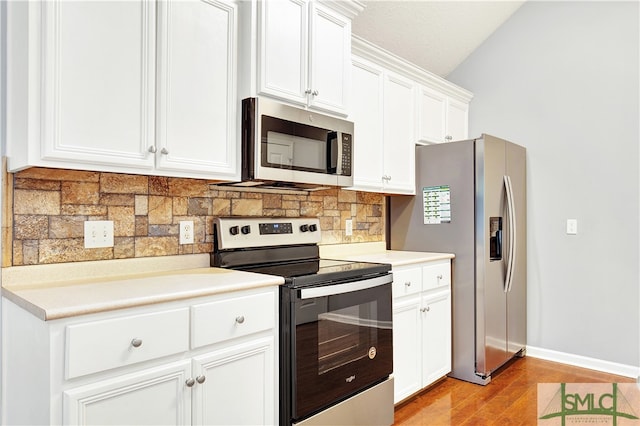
{"type": "Point", "coordinates": [330, 290]}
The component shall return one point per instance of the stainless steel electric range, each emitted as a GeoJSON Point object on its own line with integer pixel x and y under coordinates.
{"type": "Point", "coordinates": [335, 342]}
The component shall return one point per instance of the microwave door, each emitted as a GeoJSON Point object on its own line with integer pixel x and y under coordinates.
{"type": "Point", "coordinates": [279, 151]}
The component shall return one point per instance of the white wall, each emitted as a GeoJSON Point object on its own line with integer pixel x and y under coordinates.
{"type": "Point", "coordinates": [562, 79]}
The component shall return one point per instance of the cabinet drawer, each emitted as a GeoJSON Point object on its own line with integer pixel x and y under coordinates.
{"type": "Point", "coordinates": [437, 274]}
{"type": "Point", "coordinates": [225, 319]}
{"type": "Point", "coordinates": [406, 281]}
{"type": "Point", "coordinates": [101, 345]}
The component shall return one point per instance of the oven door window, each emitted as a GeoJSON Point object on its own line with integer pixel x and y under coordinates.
{"type": "Point", "coordinates": [343, 344]}
{"type": "Point", "coordinates": [294, 146]}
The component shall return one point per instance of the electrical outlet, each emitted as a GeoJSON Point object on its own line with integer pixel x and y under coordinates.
{"type": "Point", "coordinates": [98, 233]}
{"type": "Point", "coordinates": [348, 227]}
{"type": "Point", "coordinates": [186, 232]}
{"type": "Point", "coordinates": [572, 226]}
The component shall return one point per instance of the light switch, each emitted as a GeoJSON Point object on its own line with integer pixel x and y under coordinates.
{"type": "Point", "coordinates": [572, 226]}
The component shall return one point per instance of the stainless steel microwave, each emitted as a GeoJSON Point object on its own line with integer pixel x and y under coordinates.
{"type": "Point", "coordinates": [288, 146]}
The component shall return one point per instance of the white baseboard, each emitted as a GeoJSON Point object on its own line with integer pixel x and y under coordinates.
{"type": "Point", "coordinates": [585, 362]}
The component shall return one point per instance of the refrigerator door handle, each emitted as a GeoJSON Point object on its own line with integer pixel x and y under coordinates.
{"type": "Point", "coordinates": [512, 233]}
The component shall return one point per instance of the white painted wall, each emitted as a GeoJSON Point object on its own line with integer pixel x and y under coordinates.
{"type": "Point", "coordinates": [562, 79]}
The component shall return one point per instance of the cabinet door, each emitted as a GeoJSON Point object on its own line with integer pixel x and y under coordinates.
{"type": "Point", "coordinates": [436, 336]}
{"type": "Point", "coordinates": [284, 45]}
{"type": "Point", "coordinates": [239, 385]}
{"type": "Point", "coordinates": [98, 83]}
{"type": "Point", "coordinates": [366, 114]}
{"type": "Point", "coordinates": [407, 350]}
{"type": "Point", "coordinates": [457, 120]}
{"type": "Point", "coordinates": [330, 59]}
{"type": "Point", "coordinates": [398, 130]}
{"type": "Point", "coordinates": [432, 109]}
{"type": "Point", "coordinates": [197, 51]}
{"type": "Point", "coordinates": [155, 396]}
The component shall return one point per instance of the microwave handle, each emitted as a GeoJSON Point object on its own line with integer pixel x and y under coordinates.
{"type": "Point", "coordinates": [333, 152]}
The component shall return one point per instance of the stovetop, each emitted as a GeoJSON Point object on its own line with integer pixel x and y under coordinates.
{"type": "Point", "coordinates": [320, 271]}
{"type": "Point", "coordinates": [287, 247]}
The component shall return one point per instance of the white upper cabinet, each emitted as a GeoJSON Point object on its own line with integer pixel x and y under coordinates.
{"type": "Point", "coordinates": [441, 118]}
{"type": "Point", "coordinates": [366, 114]}
{"type": "Point", "coordinates": [383, 116]}
{"type": "Point", "coordinates": [133, 86]}
{"type": "Point", "coordinates": [394, 106]}
{"type": "Point", "coordinates": [196, 117]}
{"type": "Point", "coordinates": [399, 138]}
{"type": "Point", "coordinates": [432, 115]}
{"type": "Point", "coordinates": [284, 46]}
{"type": "Point", "coordinates": [304, 53]}
{"type": "Point", "coordinates": [457, 120]}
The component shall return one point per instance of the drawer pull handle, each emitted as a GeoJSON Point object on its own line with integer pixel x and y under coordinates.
{"type": "Point", "coordinates": [240, 319]}
{"type": "Point", "coordinates": [201, 379]}
{"type": "Point", "coordinates": [136, 343]}
{"type": "Point", "coordinates": [190, 382]}
{"type": "Point", "coordinates": [408, 283]}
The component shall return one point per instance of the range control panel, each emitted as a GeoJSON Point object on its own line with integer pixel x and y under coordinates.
{"type": "Point", "coordinates": [244, 232]}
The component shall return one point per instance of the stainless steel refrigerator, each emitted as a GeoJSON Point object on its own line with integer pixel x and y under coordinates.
{"type": "Point", "coordinates": [471, 201]}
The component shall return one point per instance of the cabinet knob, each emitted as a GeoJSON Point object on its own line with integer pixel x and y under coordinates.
{"type": "Point", "coordinates": [136, 343]}
{"type": "Point", "coordinates": [201, 379]}
{"type": "Point", "coordinates": [307, 92]}
{"type": "Point", "coordinates": [240, 319]}
{"type": "Point", "coordinates": [427, 309]}
{"type": "Point", "coordinates": [190, 382]}
{"type": "Point", "coordinates": [164, 151]}
{"type": "Point", "coordinates": [315, 93]}
{"type": "Point", "coordinates": [439, 277]}
{"type": "Point", "coordinates": [152, 149]}
{"type": "Point", "coordinates": [408, 284]}
{"type": "Point", "coordinates": [448, 138]}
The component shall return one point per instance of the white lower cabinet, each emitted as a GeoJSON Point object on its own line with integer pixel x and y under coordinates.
{"type": "Point", "coordinates": [421, 326]}
{"type": "Point", "coordinates": [239, 385]}
{"type": "Point", "coordinates": [154, 396]}
{"type": "Point", "coordinates": [144, 365]}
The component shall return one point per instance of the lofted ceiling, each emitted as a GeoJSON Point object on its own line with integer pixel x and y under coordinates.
{"type": "Point", "coordinates": [435, 35]}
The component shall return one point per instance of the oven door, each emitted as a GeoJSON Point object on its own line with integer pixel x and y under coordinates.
{"type": "Point", "coordinates": [342, 341]}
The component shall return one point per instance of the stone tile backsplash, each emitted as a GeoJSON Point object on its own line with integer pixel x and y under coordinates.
{"type": "Point", "coordinates": [47, 209]}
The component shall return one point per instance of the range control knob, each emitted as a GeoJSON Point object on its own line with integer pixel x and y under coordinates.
{"type": "Point", "coordinates": [313, 227]}
{"type": "Point", "coordinates": [234, 230]}
{"type": "Point", "coordinates": [246, 229]}
{"type": "Point", "coordinates": [304, 228]}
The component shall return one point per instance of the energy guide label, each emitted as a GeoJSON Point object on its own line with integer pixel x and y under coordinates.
{"type": "Point", "coordinates": [437, 204]}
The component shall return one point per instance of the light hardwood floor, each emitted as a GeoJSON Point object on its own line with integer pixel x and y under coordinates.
{"type": "Point", "coordinates": [510, 398]}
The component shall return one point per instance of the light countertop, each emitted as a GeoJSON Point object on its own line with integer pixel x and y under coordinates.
{"type": "Point", "coordinates": [397, 258]}
{"type": "Point", "coordinates": [50, 300]}
{"type": "Point", "coordinates": [377, 252]}
{"type": "Point", "coordinates": [63, 290]}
